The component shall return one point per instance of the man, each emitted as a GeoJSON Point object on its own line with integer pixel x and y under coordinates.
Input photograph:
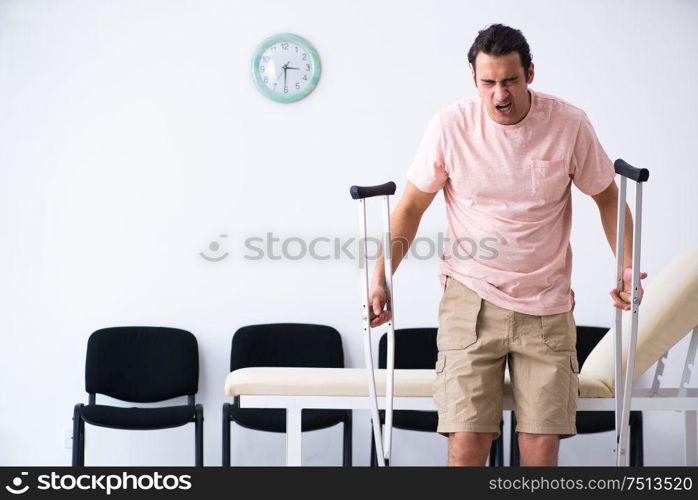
{"type": "Point", "coordinates": [506, 161]}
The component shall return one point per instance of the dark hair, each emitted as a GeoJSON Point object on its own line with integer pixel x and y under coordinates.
{"type": "Point", "coordinates": [498, 40]}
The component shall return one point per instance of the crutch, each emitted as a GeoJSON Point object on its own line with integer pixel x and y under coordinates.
{"type": "Point", "coordinates": [624, 386]}
{"type": "Point", "coordinates": [360, 193]}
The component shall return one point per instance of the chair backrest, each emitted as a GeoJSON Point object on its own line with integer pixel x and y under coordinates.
{"type": "Point", "coordinates": [142, 364]}
{"type": "Point", "coordinates": [415, 349]}
{"type": "Point", "coordinates": [287, 344]}
{"type": "Point", "coordinates": [587, 338]}
{"type": "Point", "coordinates": [668, 312]}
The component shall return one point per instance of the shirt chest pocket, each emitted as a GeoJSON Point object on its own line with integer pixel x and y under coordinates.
{"type": "Point", "coordinates": [549, 179]}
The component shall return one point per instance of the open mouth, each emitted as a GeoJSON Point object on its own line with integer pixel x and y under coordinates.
{"type": "Point", "coordinates": [504, 108]}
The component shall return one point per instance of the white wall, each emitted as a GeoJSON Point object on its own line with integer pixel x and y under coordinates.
{"type": "Point", "coordinates": [131, 136]}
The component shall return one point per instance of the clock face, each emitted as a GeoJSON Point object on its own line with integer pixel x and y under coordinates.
{"type": "Point", "coordinates": [285, 68]}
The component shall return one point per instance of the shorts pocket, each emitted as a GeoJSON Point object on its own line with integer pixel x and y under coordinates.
{"type": "Point", "coordinates": [458, 313]}
{"type": "Point", "coordinates": [438, 388]}
{"type": "Point", "coordinates": [440, 363]}
{"type": "Point", "coordinates": [559, 332]}
{"type": "Point", "coordinates": [549, 179]}
{"type": "Point", "coordinates": [575, 364]}
{"type": "Point", "coordinates": [574, 385]}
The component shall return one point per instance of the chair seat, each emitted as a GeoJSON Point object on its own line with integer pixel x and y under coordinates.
{"type": "Point", "coordinates": [589, 422]}
{"type": "Point", "coordinates": [414, 420]}
{"type": "Point", "coordinates": [137, 418]}
{"type": "Point", "coordinates": [274, 420]}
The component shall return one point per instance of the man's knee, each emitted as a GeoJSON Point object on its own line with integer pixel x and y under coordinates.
{"type": "Point", "coordinates": [469, 443]}
{"type": "Point", "coordinates": [469, 448]}
{"type": "Point", "coordinates": [539, 449]}
{"type": "Point", "coordinates": [539, 441]}
{"type": "Point", "coordinates": [472, 437]}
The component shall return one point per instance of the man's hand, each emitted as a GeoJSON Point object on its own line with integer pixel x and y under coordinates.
{"type": "Point", "coordinates": [377, 299]}
{"type": "Point", "coordinates": [572, 293]}
{"type": "Point", "coordinates": [622, 300]}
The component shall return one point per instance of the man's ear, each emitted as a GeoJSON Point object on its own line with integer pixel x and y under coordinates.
{"type": "Point", "coordinates": [531, 73]}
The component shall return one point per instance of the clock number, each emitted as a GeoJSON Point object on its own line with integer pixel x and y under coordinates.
{"type": "Point", "coordinates": [284, 46]}
{"type": "Point", "coordinates": [285, 89]}
{"type": "Point", "coordinates": [305, 77]}
{"type": "Point", "coordinates": [273, 48]}
{"type": "Point", "coordinates": [261, 69]}
{"type": "Point", "coordinates": [307, 66]}
{"type": "Point", "coordinates": [305, 56]}
{"type": "Point", "coordinates": [265, 58]}
{"type": "Point", "coordinates": [266, 79]}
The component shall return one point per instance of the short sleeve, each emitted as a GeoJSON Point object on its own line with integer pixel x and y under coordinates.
{"type": "Point", "coordinates": [591, 169]}
{"type": "Point", "coordinates": [428, 171]}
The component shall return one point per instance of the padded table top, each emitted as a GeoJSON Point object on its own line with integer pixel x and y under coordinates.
{"type": "Point", "coordinates": [354, 382]}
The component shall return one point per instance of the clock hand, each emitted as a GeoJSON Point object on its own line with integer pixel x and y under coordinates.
{"type": "Point", "coordinates": [285, 69]}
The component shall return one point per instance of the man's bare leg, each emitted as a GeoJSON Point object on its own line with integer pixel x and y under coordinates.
{"type": "Point", "coordinates": [539, 449]}
{"type": "Point", "coordinates": [469, 448]}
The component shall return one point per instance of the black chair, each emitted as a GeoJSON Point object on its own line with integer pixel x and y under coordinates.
{"type": "Point", "coordinates": [415, 348]}
{"type": "Point", "coordinates": [589, 422]}
{"type": "Point", "coordinates": [140, 364]}
{"type": "Point", "coordinates": [290, 345]}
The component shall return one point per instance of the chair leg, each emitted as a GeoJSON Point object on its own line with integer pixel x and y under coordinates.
{"type": "Point", "coordinates": [226, 435]}
{"type": "Point", "coordinates": [199, 435]}
{"type": "Point", "coordinates": [374, 454]}
{"type": "Point", "coordinates": [500, 461]}
{"type": "Point", "coordinates": [347, 441]}
{"type": "Point", "coordinates": [374, 457]}
{"type": "Point", "coordinates": [514, 454]}
{"type": "Point", "coordinates": [497, 449]}
{"type": "Point", "coordinates": [493, 454]}
{"type": "Point", "coordinates": [637, 458]}
{"type": "Point", "coordinates": [82, 442]}
{"type": "Point", "coordinates": [78, 437]}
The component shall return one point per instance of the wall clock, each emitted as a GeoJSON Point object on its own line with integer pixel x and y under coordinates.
{"type": "Point", "coordinates": [285, 67]}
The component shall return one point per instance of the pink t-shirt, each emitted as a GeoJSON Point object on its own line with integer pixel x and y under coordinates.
{"type": "Point", "coordinates": [508, 200]}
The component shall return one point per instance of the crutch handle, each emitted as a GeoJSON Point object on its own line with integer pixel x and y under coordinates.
{"type": "Point", "coordinates": [361, 192]}
{"type": "Point", "coordinates": [627, 170]}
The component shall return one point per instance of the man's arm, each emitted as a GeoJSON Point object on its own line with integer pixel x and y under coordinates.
{"type": "Point", "coordinates": [607, 202]}
{"type": "Point", "coordinates": [404, 222]}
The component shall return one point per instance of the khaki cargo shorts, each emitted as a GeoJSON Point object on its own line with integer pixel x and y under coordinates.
{"type": "Point", "coordinates": [475, 338]}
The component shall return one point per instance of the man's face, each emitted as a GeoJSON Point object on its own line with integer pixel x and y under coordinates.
{"type": "Point", "coordinates": [503, 87]}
